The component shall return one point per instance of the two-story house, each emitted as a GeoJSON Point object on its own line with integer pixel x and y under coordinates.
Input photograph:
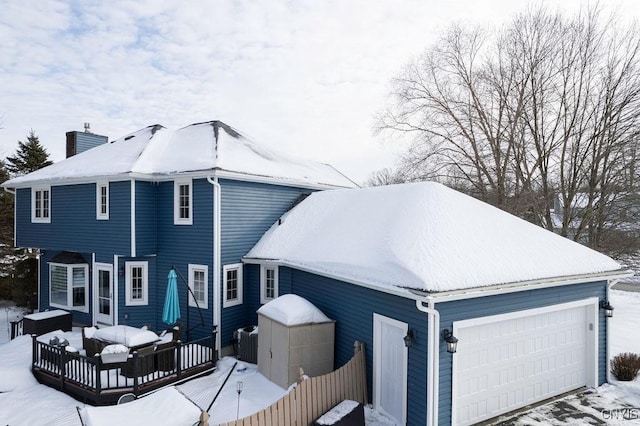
{"type": "Point", "coordinates": [112, 221]}
{"type": "Point", "coordinates": [467, 312]}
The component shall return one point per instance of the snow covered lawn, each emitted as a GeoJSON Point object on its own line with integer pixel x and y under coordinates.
{"type": "Point", "coordinates": [25, 402]}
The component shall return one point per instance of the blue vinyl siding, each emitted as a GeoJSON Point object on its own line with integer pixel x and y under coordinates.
{"type": "Point", "coordinates": [248, 210]}
{"type": "Point", "coordinates": [181, 245]}
{"type": "Point", "coordinates": [73, 224]}
{"type": "Point", "coordinates": [353, 306]}
{"type": "Point", "coordinates": [146, 218]}
{"type": "Point", "coordinates": [511, 302]}
{"type": "Point", "coordinates": [137, 316]}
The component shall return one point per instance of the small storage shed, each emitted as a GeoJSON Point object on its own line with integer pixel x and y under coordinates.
{"type": "Point", "coordinates": [293, 334]}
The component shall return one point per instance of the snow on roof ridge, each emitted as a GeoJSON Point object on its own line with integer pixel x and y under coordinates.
{"type": "Point", "coordinates": [155, 150]}
{"type": "Point", "coordinates": [423, 236]}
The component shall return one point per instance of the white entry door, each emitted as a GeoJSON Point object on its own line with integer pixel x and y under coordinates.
{"type": "Point", "coordinates": [390, 357]}
{"type": "Point", "coordinates": [103, 293]}
{"type": "Point", "coordinates": [508, 361]}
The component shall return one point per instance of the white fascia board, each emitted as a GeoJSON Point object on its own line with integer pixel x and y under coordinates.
{"type": "Point", "coordinates": [460, 294]}
{"type": "Point", "coordinates": [396, 291]}
{"type": "Point", "coordinates": [161, 177]}
{"type": "Point", "coordinates": [526, 285]}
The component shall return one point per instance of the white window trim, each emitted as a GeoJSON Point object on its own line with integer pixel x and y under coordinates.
{"type": "Point", "coordinates": [263, 283]}
{"type": "Point", "coordinates": [128, 266]}
{"type": "Point", "coordinates": [229, 303]}
{"type": "Point", "coordinates": [69, 304]}
{"type": "Point", "coordinates": [35, 219]}
{"type": "Point", "coordinates": [177, 220]}
{"type": "Point", "coordinates": [99, 214]}
{"type": "Point", "coordinates": [205, 303]}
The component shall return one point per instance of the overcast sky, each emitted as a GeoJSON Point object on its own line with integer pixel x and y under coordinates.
{"type": "Point", "coordinates": [306, 77]}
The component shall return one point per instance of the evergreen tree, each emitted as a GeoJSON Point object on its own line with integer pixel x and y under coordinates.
{"type": "Point", "coordinates": [30, 156]}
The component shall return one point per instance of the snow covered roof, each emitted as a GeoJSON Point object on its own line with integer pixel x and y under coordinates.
{"type": "Point", "coordinates": [291, 310]}
{"type": "Point", "coordinates": [421, 236]}
{"type": "Point", "coordinates": [156, 151]}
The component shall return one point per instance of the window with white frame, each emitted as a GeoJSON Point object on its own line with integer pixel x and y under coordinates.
{"type": "Point", "coordinates": [232, 285]}
{"type": "Point", "coordinates": [268, 283]}
{"type": "Point", "coordinates": [102, 201]}
{"type": "Point", "coordinates": [198, 283]}
{"type": "Point", "coordinates": [41, 204]}
{"type": "Point", "coordinates": [136, 283]}
{"type": "Point", "coordinates": [69, 286]}
{"type": "Point", "coordinates": [183, 202]}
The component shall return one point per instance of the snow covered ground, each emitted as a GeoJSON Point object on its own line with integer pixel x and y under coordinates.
{"type": "Point", "coordinates": [25, 402]}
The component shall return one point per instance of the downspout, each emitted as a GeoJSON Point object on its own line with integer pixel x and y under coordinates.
{"type": "Point", "coordinates": [608, 334]}
{"type": "Point", "coordinates": [217, 192]}
{"type": "Point", "coordinates": [433, 353]}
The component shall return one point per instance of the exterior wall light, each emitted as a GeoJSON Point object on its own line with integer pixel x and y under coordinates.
{"type": "Point", "coordinates": [452, 341]}
{"type": "Point", "coordinates": [409, 339]}
{"type": "Point", "coordinates": [608, 309]}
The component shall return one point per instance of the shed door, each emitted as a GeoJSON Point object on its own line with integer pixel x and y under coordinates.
{"type": "Point", "coordinates": [390, 367]}
{"type": "Point", "coordinates": [505, 362]}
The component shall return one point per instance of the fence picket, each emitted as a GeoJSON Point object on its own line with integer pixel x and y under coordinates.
{"type": "Point", "coordinates": [315, 396]}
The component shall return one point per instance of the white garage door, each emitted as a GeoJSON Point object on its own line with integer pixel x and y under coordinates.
{"type": "Point", "coordinates": [508, 361]}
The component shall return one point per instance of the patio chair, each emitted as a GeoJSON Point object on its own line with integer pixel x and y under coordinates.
{"type": "Point", "coordinates": [89, 344]}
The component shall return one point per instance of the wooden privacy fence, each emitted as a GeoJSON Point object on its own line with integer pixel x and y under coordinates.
{"type": "Point", "coordinates": [315, 396]}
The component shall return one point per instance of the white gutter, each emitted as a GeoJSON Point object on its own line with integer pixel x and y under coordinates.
{"type": "Point", "coordinates": [433, 355]}
{"type": "Point", "coordinates": [470, 293]}
{"type": "Point", "coordinates": [217, 192]}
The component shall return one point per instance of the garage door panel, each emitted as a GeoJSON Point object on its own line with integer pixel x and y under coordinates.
{"type": "Point", "coordinates": [503, 364]}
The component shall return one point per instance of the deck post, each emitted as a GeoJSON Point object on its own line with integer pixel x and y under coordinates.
{"type": "Point", "coordinates": [61, 366]}
{"type": "Point", "coordinates": [178, 350]}
{"type": "Point", "coordinates": [34, 350]}
{"type": "Point", "coordinates": [134, 368]}
{"type": "Point", "coordinates": [98, 370]}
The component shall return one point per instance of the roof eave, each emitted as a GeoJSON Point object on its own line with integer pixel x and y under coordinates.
{"type": "Point", "coordinates": [469, 293]}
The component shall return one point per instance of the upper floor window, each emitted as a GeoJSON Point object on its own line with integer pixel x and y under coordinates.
{"type": "Point", "coordinates": [136, 283]}
{"type": "Point", "coordinates": [182, 202]}
{"type": "Point", "coordinates": [41, 204]}
{"type": "Point", "coordinates": [198, 283]}
{"type": "Point", "coordinates": [68, 286]}
{"type": "Point", "coordinates": [102, 200]}
{"type": "Point", "coordinates": [232, 285]}
{"type": "Point", "coordinates": [268, 283]}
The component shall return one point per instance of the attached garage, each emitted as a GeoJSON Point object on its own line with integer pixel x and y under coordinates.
{"type": "Point", "coordinates": [508, 361]}
{"type": "Point", "coordinates": [522, 302]}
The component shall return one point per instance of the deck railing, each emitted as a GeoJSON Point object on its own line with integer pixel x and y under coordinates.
{"type": "Point", "coordinates": [16, 328]}
{"type": "Point", "coordinates": [91, 380]}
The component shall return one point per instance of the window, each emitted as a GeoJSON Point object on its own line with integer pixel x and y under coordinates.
{"type": "Point", "coordinates": [183, 201]}
{"type": "Point", "coordinates": [136, 283]}
{"type": "Point", "coordinates": [199, 283]}
{"type": "Point", "coordinates": [268, 283]}
{"type": "Point", "coordinates": [41, 205]}
{"type": "Point", "coordinates": [69, 286]}
{"type": "Point", "coordinates": [232, 288]}
{"type": "Point", "coordinates": [102, 201]}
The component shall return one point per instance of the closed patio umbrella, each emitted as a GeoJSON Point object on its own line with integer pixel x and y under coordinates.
{"type": "Point", "coordinates": [171, 310]}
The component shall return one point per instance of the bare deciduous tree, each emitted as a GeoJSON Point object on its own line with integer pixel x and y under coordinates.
{"type": "Point", "coordinates": [539, 118]}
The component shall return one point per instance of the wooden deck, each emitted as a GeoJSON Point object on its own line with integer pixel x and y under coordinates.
{"type": "Point", "coordinates": [94, 382]}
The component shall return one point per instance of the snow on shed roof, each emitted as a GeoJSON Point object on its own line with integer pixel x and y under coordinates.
{"type": "Point", "coordinates": [291, 310]}
{"type": "Point", "coordinates": [421, 236]}
{"type": "Point", "coordinates": [199, 147]}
